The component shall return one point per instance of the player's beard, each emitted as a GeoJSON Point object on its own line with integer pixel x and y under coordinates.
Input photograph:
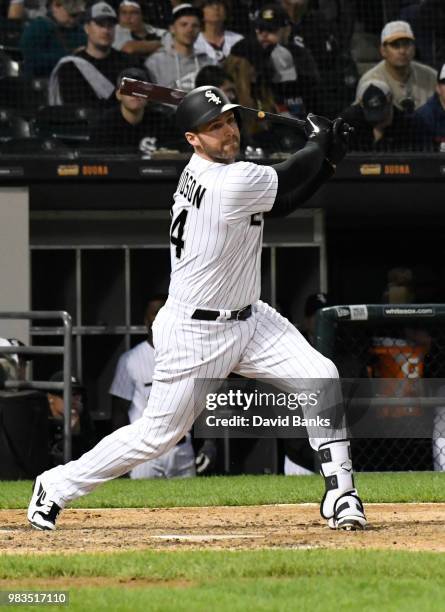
{"type": "Point", "coordinates": [224, 154]}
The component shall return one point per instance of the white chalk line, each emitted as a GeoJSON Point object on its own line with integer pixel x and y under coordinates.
{"type": "Point", "coordinates": [195, 537]}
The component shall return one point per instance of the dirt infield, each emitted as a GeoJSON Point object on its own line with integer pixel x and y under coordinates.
{"type": "Point", "coordinates": [395, 526]}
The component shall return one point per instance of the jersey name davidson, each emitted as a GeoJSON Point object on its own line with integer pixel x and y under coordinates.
{"type": "Point", "coordinates": [190, 189]}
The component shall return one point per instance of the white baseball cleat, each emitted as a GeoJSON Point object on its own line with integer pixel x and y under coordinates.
{"type": "Point", "coordinates": [42, 511]}
{"type": "Point", "coordinates": [349, 513]}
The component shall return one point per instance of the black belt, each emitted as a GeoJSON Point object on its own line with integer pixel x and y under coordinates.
{"type": "Point", "coordinates": [183, 440]}
{"type": "Point", "coordinates": [232, 315]}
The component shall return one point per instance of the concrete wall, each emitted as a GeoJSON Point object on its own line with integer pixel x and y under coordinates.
{"type": "Point", "coordinates": [14, 260]}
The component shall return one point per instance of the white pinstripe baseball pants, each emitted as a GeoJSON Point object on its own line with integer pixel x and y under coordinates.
{"type": "Point", "coordinates": [264, 346]}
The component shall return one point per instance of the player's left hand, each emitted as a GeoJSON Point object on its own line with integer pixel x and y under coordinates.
{"type": "Point", "coordinates": [319, 130]}
{"type": "Point", "coordinates": [205, 458]}
{"type": "Point", "coordinates": [338, 148]}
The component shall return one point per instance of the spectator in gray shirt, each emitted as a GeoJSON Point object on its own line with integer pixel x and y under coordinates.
{"type": "Point", "coordinates": [177, 65]}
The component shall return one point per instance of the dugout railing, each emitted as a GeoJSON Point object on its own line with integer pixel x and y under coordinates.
{"type": "Point", "coordinates": [65, 351]}
{"type": "Point", "coordinates": [394, 341]}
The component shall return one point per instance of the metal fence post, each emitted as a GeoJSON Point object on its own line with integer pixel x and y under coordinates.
{"type": "Point", "coordinates": [65, 351]}
{"type": "Point", "coordinates": [67, 386]}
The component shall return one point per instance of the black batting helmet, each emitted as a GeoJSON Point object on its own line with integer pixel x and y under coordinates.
{"type": "Point", "coordinates": [200, 106]}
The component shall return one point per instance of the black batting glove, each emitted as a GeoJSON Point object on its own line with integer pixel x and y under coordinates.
{"type": "Point", "coordinates": [319, 129]}
{"type": "Point", "coordinates": [341, 133]}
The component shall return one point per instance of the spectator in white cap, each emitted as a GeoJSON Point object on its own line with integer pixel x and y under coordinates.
{"type": "Point", "coordinates": [431, 115]}
{"type": "Point", "coordinates": [177, 65]}
{"type": "Point", "coordinates": [411, 83]}
{"type": "Point", "coordinates": [214, 39]}
{"type": "Point", "coordinates": [133, 35]}
{"type": "Point", "coordinates": [378, 124]}
{"type": "Point", "coordinates": [88, 77]}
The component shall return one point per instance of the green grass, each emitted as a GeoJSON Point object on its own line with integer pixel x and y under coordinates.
{"type": "Point", "coordinates": [264, 580]}
{"type": "Point", "coordinates": [240, 490]}
{"type": "Point", "coordinates": [243, 580]}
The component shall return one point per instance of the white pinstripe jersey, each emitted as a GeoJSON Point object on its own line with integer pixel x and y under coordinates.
{"type": "Point", "coordinates": [217, 232]}
{"type": "Point", "coordinates": [133, 378]}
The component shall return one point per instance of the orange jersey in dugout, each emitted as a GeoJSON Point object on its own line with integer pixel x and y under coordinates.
{"type": "Point", "coordinates": [402, 363]}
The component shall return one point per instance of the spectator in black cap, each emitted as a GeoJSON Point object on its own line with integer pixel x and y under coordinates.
{"type": "Point", "coordinates": [329, 48]}
{"type": "Point", "coordinates": [159, 12]}
{"type": "Point", "coordinates": [274, 64]}
{"type": "Point", "coordinates": [378, 124]}
{"type": "Point", "coordinates": [133, 35]}
{"type": "Point", "coordinates": [215, 40]}
{"type": "Point", "coordinates": [88, 77]}
{"type": "Point", "coordinates": [82, 428]}
{"type": "Point", "coordinates": [431, 115]}
{"type": "Point", "coordinates": [134, 125]}
{"type": "Point", "coordinates": [177, 65]}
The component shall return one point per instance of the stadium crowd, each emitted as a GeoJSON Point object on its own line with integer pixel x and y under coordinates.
{"type": "Point", "coordinates": [382, 69]}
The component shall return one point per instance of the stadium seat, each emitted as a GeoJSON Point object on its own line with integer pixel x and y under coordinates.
{"type": "Point", "coordinates": [10, 33]}
{"type": "Point", "coordinates": [8, 66]}
{"type": "Point", "coordinates": [69, 123]}
{"type": "Point", "coordinates": [40, 86]}
{"type": "Point", "coordinates": [23, 95]}
{"type": "Point", "coordinates": [12, 125]}
{"type": "Point", "coordinates": [36, 146]}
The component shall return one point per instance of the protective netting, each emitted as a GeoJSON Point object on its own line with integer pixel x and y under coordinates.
{"type": "Point", "coordinates": [60, 62]}
{"type": "Point", "coordinates": [402, 350]}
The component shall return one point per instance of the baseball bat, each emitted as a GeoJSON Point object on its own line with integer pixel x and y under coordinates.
{"type": "Point", "coordinates": [151, 91]}
{"type": "Point", "coordinates": [165, 95]}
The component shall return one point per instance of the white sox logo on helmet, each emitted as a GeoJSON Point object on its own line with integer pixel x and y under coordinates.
{"type": "Point", "coordinates": [212, 97]}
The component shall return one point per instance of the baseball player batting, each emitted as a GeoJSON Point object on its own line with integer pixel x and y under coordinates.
{"type": "Point", "coordinates": [213, 322]}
